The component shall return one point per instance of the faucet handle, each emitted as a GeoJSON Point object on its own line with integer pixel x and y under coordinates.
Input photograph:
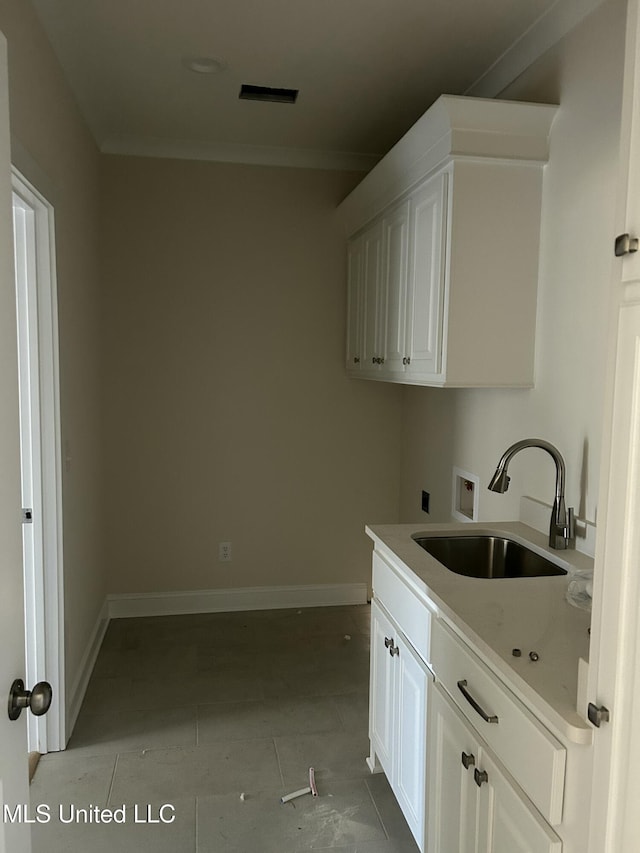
{"type": "Point", "coordinates": [569, 530]}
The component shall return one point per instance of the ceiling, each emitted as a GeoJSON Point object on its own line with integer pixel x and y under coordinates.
{"type": "Point", "coordinates": [366, 69]}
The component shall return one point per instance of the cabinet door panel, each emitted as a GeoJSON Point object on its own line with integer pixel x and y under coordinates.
{"type": "Point", "coordinates": [411, 754]}
{"type": "Point", "coordinates": [355, 273]}
{"type": "Point", "coordinates": [396, 238]}
{"type": "Point", "coordinates": [372, 264]}
{"type": "Point", "coordinates": [425, 297]}
{"type": "Point", "coordinates": [452, 794]}
{"type": "Point", "coordinates": [381, 689]}
{"type": "Point", "coordinates": [509, 823]}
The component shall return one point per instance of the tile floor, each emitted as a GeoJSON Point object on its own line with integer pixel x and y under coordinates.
{"type": "Point", "coordinates": [195, 711]}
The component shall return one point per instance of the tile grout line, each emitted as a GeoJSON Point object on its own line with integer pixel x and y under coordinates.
{"type": "Point", "coordinates": [377, 810]}
{"type": "Point", "coordinates": [195, 833]}
{"type": "Point", "coordinates": [113, 777]}
{"type": "Point", "coordinates": [275, 746]}
{"type": "Point", "coordinates": [336, 707]}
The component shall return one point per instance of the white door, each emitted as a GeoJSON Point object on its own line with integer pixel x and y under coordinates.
{"type": "Point", "coordinates": [381, 699]}
{"type": "Point", "coordinates": [14, 786]}
{"type": "Point", "coordinates": [374, 306]}
{"type": "Point", "coordinates": [425, 296]}
{"type": "Point", "coordinates": [355, 260]}
{"type": "Point", "coordinates": [614, 677]}
{"type": "Point", "coordinates": [395, 253]}
{"type": "Point", "coordinates": [41, 462]}
{"type": "Point", "coordinates": [508, 823]}
{"type": "Point", "coordinates": [412, 689]}
{"type": "Point", "coordinates": [452, 798]}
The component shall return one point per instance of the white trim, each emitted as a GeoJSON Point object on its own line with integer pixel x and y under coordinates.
{"type": "Point", "coordinates": [451, 129]}
{"type": "Point", "coordinates": [256, 155]}
{"type": "Point", "coordinates": [85, 670]}
{"type": "Point", "coordinates": [223, 600]}
{"type": "Point", "coordinates": [550, 27]}
{"type": "Point", "coordinates": [45, 632]}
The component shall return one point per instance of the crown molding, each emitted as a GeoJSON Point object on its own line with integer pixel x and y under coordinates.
{"type": "Point", "coordinates": [542, 35]}
{"type": "Point", "coordinates": [255, 155]}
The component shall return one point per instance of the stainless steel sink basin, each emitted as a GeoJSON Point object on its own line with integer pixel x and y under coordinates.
{"type": "Point", "coordinates": [487, 557]}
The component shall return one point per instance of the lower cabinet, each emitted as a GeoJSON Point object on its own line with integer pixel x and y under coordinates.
{"type": "Point", "coordinates": [399, 691]}
{"type": "Point", "coordinates": [474, 806]}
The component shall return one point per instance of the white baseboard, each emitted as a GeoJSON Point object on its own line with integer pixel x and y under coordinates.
{"type": "Point", "coordinates": [221, 600]}
{"type": "Point", "coordinates": [81, 681]}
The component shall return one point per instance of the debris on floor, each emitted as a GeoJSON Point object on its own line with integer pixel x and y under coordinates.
{"type": "Point", "coordinates": [310, 789]}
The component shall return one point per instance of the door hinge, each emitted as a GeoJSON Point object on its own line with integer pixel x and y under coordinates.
{"type": "Point", "coordinates": [597, 714]}
{"type": "Point", "coordinates": [27, 515]}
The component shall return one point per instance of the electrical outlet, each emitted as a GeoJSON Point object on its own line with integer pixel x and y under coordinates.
{"type": "Point", "coordinates": [425, 501]}
{"type": "Point", "coordinates": [224, 552]}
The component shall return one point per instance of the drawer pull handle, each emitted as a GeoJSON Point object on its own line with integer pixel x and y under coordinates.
{"type": "Point", "coordinates": [468, 760]}
{"type": "Point", "coordinates": [480, 776]}
{"type": "Point", "coordinates": [488, 718]}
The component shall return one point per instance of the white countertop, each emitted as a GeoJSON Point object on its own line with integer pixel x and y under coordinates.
{"type": "Point", "coordinates": [498, 615]}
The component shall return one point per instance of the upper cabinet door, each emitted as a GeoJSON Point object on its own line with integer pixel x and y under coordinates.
{"type": "Point", "coordinates": [355, 276]}
{"type": "Point", "coordinates": [396, 250]}
{"type": "Point", "coordinates": [426, 279]}
{"type": "Point", "coordinates": [373, 302]}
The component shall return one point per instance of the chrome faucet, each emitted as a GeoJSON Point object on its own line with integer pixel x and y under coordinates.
{"type": "Point", "coordinates": [562, 529]}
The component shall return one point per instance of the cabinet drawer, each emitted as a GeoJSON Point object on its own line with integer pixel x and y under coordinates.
{"type": "Point", "coordinates": [529, 752]}
{"type": "Point", "coordinates": [413, 615]}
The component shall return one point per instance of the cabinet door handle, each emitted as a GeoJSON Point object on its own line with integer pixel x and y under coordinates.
{"type": "Point", "coordinates": [488, 718]}
{"type": "Point", "coordinates": [388, 642]}
{"type": "Point", "coordinates": [468, 760]}
{"type": "Point", "coordinates": [625, 244]}
{"type": "Point", "coordinates": [356, 359]}
{"type": "Point", "coordinates": [394, 650]}
{"type": "Point", "coordinates": [480, 776]}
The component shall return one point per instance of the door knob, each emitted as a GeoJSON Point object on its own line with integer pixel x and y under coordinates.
{"type": "Point", "coordinates": [37, 700]}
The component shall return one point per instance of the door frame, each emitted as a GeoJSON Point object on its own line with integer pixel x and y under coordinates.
{"type": "Point", "coordinates": [614, 677]}
{"type": "Point", "coordinates": [36, 297]}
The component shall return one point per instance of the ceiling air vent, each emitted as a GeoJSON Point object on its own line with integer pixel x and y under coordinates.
{"type": "Point", "coordinates": [267, 93]}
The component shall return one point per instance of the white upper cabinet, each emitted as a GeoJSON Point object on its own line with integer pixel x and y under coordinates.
{"type": "Point", "coordinates": [425, 283]}
{"type": "Point", "coordinates": [443, 238]}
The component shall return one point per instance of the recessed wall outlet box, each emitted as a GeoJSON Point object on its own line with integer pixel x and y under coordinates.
{"type": "Point", "coordinates": [425, 501]}
{"type": "Point", "coordinates": [224, 552]}
{"type": "Point", "coordinates": [465, 494]}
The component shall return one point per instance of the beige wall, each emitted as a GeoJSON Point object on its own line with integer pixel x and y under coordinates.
{"type": "Point", "coordinates": [471, 428]}
{"type": "Point", "coordinates": [229, 415]}
{"type": "Point", "coordinates": [53, 149]}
